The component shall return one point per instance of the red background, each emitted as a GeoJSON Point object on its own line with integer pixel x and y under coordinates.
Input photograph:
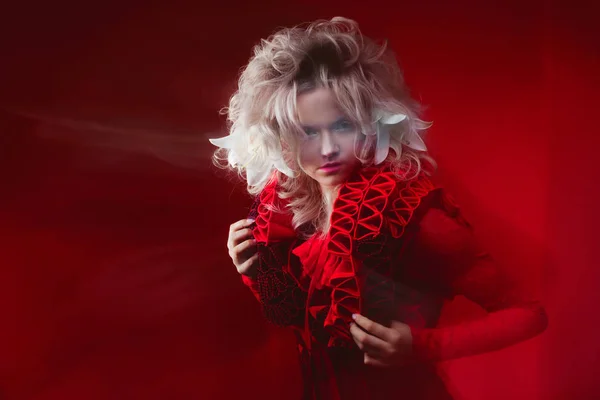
{"type": "Point", "coordinates": [115, 281]}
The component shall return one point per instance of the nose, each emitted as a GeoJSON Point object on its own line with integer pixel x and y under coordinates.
{"type": "Point", "coordinates": [329, 147]}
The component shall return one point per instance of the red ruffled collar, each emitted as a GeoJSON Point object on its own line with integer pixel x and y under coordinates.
{"type": "Point", "coordinates": [373, 202]}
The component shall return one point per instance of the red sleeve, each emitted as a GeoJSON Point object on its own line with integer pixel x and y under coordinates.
{"type": "Point", "coordinates": [446, 247]}
{"type": "Point", "coordinates": [276, 288]}
{"type": "Point", "coordinates": [252, 285]}
{"type": "Point", "coordinates": [275, 284]}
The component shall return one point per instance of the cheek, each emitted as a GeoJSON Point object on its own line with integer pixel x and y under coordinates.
{"type": "Point", "coordinates": [348, 142]}
{"type": "Point", "coordinates": [307, 153]}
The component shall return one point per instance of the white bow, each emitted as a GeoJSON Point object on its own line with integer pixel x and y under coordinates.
{"type": "Point", "coordinates": [243, 152]}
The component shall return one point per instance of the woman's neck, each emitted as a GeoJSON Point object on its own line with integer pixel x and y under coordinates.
{"type": "Point", "coordinates": [329, 196]}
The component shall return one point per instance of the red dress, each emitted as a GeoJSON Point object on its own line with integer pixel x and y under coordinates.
{"type": "Point", "coordinates": [396, 250]}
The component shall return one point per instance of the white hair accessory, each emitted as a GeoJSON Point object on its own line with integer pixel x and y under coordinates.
{"type": "Point", "coordinates": [243, 152]}
{"type": "Point", "coordinates": [383, 120]}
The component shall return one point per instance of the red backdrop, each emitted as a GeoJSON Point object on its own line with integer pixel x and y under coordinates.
{"type": "Point", "coordinates": [115, 281]}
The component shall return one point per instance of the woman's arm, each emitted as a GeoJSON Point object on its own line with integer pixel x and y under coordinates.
{"type": "Point", "coordinates": [275, 282]}
{"type": "Point", "coordinates": [282, 300]}
{"type": "Point", "coordinates": [446, 248]}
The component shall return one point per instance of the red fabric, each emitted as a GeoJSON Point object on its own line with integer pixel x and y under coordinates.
{"type": "Point", "coordinates": [395, 251]}
{"type": "Point", "coordinates": [447, 250]}
{"type": "Point", "coordinates": [251, 283]}
{"type": "Point", "coordinates": [270, 224]}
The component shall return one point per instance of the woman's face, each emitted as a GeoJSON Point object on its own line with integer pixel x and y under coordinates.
{"type": "Point", "coordinates": [327, 148]}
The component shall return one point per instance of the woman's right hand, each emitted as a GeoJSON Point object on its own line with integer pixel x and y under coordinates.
{"type": "Point", "coordinates": [242, 247]}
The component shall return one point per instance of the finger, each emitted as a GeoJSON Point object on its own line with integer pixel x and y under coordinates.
{"type": "Point", "coordinates": [235, 259]}
{"type": "Point", "coordinates": [402, 332]}
{"type": "Point", "coordinates": [373, 327]}
{"type": "Point", "coordinates": [240, 248]}
{"type": "Point", "coordinates": [368, 343]}
{"type": "Point", "coordinates": [242, 223]}
{"type": "Point", "coordinates": [240, 236]}
{"type": "Point", "coordinates": [375, 362]}
{"type": "Point", "coordinates": [237, 254]}
{"type": "Point", "coordinates": [400, 327]}
{"type": "Point", "coordinates": [246, 268]}
{"type": "Point", "coordinates": [240, 254]}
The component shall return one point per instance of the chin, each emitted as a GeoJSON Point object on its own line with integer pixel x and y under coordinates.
{"type": "Point", "coordinates": [334, 181]}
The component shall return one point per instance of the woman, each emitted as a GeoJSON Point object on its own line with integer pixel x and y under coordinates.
{"type": "Point", "coordinates": [349, 242]}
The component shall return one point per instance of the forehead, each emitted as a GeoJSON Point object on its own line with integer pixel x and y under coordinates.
{"type": "Point", "coordinates": [318, 107]}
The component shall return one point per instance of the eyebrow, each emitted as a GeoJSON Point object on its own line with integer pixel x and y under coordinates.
{"type": "Point", "coordinates": [337, 121]}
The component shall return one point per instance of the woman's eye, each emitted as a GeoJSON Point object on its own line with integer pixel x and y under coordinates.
{"type": "Point", "coordinates": [343, 126]}
{"type": "Point", "coordinates": [310, 132]}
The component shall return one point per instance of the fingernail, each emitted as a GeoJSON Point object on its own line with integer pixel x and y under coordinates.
{"type": "Point", "coordinates": [354, 316]}
{"type": "Point", "coordinates": [250, 220]}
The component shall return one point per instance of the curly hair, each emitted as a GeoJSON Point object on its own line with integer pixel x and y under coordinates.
{"type": "Point", "coordinates": [362, 75]}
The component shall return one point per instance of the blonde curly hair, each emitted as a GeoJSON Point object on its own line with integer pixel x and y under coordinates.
{"type": "Point", "coordinates": [362, 75]}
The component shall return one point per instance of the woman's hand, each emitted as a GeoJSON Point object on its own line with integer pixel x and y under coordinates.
{"type": "Point", "coordinates": [383, 347]}
{"type": "Point", "coordinates": [242, 247]}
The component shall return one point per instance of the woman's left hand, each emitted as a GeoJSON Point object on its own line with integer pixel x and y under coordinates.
{"type": "Point", "coordinates": [383, 346]}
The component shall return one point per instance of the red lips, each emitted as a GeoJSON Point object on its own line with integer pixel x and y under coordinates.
{"type": "Point", "coordinates": [330, 168]}
{"type": "Point", "coordinates": [330, 165]}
